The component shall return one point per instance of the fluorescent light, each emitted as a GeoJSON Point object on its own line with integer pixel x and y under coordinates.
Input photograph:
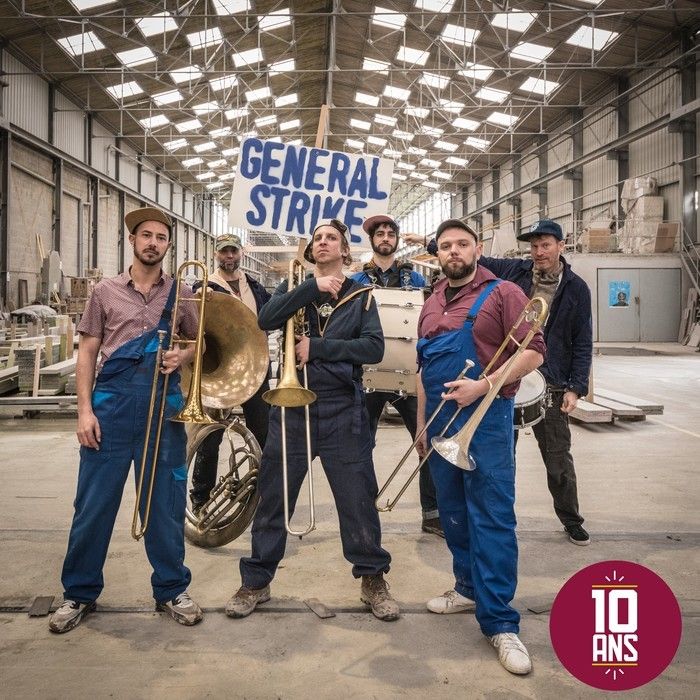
{"type": "Point", "coordinates": [266, 121]}
{"type": "Point", "coordinates": [274, 20]}
{"type": "Point", "coordinates": [189, 125]}
{"type": "Point", "coordinates": [513, 21]}
{"type": "Point", "coordinates": [207, 37]}
{"type": "Point", "coordinates": [405, 166]}
{"type": "Point", "coordinates": [446, 146]}
{"type": "Point", "coordinates": [440, 82]}
{"type": "Point", "coordinates": [501, 119]}
{"type": "Point", "coordinates": [462, 123]}
{"type": "Point", "coordinates": [204, 147]}
{"type": "Point", "coordinates": [392, 153]}
{"type": "Point", "coordinates": [205, 176]}
{"type": "Point", "coordinates": [219, 133]}
{"type": "Point", "coordinates": [435, 5]}
{"type": "Point", "coordinates": [175, 145]}
{"type": "Point", "coordinates": [366, 99]}
{"type": "Point", "coordinates": [285, 100]}
{"type": "Point", "coordinates": [124, 90]}
{"type": "Point", "coordinates": [492, 94]}
{"type": "Point", "coordinates": [230, 7]}
{"type": "Point", "coordinates": [396, 93]}
{"type": "Point", "coordinates": [167, 98]}
{"type": "Point", "coordinates": [532, 53]}
{"type": "Point", "coordinates": [412, 56]}
{"type": "Point", "coordinates": [375, 66]}
{"type": "Point", "coordinates": [154, 122]}
{"type": "Point", "coordinates": [403, 135]}
{"type": "Point", "coordinates": [215, 185]}
{"type": "Point", "coordinates": [418, 176]}
{"type": "Point", "coordinates": [541, 87]}
{"type": "Point", "coordinates": [206, 108]}
{"type": "Point", "coordinates": [247, 58]}
{"type": "Point", "coordinates": [217, 163]}
{"type": "Point", "coordinates": [376, 140]}
{"type": "Point", "coordinates": [414, 150]}
{"type": "Point", "coordinates": [136, 57]}
{"type": "Point", "coordinates": [476, 71]}
{"type": "Point", "coordinates": [359, 124]}
{"type": "Point", "coordinates": [354, 143]}
{"type": "Point", "coordinates": [80, 44]}
{"type": "Point", "coordinates": [282, 66]}
{"type": "Point", "coordinates": [430, 163]}
{"type": "Point", "coordinates": [190, 162]}
{"type": "Point", "coordinates": [383, 119]}
{"type": "Point", "coordinates": [236, 113]}
{"type": "Point", "coordinates": [291, 124]}
{"type": "Point", "coordinates": [245, 135]}
{"type": "Point", "coordinates": [431, 130]}
{"type": "Point", "coordinates": [451, 106]}
{"type": "Point", "coordinates": [463, 36]}
{"type": "Point", "coordinates": [481, 144]}
{"type": "Point", "coordinates": [224, 82]}
{"type": "Point", "coordinates": [420, 112]}
{"type": "Point", "coordinates": [455, 160]}
{"type": "Point", "coordinates": [441, 175]}
{"type": "Point", "coordinates": [388, 18]}
{"type": "Point", "coordinates": [589, 38]}
{"type": "Point", "coordinates": [227, 176]}
{"type": "Point", "coordinates": [160, 23]}
{"type": "Point", "coordinates": [188, 73]}
{"type": "Point", "coordinates": [259, 94]}
{"type": "Point", "coordinates": [229, 152]}
{"type": "Point", "coordinates": [432, 185]}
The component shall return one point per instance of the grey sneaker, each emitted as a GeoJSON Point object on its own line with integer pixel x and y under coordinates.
{"type": "Point", "coordinates": [375, 593]}
{"type": "Point", "coordinates": [511, 653]}
{"type": "Point", "coordinates": [69, 615]}
{"type": "Point", "coordinates": [245, 599]}
{"type": "Point", "coordinates": [182, 609]}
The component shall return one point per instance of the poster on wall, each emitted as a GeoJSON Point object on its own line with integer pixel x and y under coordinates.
{"type": "Point", "coordinates": [287, 189]}
{"type": "Point", "coordinates": [619, 294]}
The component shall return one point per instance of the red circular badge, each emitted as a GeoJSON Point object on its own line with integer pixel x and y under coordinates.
{"type": "Point", "coordinates": [615, 625]}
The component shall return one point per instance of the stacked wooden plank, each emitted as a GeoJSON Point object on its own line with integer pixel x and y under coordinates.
{"type": "Point", "coordinates": [609, 405]}
{"type": "Point", "coordinates": [53, 378]}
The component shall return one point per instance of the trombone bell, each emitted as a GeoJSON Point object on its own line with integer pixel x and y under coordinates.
{"type": "Point", "coordinates": [451, 450]}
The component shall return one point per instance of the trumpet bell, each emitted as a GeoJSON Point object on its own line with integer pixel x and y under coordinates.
{"type": "Point", "coordinates": [451, 450]}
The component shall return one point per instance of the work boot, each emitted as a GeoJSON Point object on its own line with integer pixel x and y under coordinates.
{"type": "Point", "coordinates": [182, 609]}
{"type": "Point", "coordinates": [511, 653]}
{"type": "Point", "coordinates": [69, 615]}
{"type": "Point", "coordinates": [375, 593]}
{"type": "Point", "coordinates": [245, 600]}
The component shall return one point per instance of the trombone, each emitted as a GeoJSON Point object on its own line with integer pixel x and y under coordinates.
{"type": "Point", "coordinates": [192, 412]}
{"type": "Point", "coordinates": [458, 452]}
{"type": "Point", "coordinates": [289, 393]}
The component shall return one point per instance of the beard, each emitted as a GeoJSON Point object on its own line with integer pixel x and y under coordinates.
{"type": "Point", "coordinates": [385, 248]}
{"type": "Point", "coordinates": [458, 270]}
{"type": "Point", "coordinates": [230, 266]}
{"type": "Point", "coordinates": [151, 261]}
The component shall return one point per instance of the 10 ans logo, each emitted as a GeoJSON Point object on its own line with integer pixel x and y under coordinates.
{"type": "Point", "coordinates": [615, 625]}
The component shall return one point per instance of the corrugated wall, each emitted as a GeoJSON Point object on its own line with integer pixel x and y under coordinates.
{"type": "Point", "coordinates": [103, 144]}
{"type": "Point", "coordinates": [164, 192]}
{"type": "Point", "coordinates": [128, 167]}
{"type": "Point", "coordinates": [529, 200]}
{"type": "Point", "coordinates": [26, 98]}
{"type": "Point", "coordinates": [69, 127]}
{"type": "Point", "coordinates": [148, 183]}
{"type": "Point", "coordinates": [560, 191]}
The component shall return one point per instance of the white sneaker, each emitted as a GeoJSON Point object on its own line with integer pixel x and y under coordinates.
{"type": "Point", "coordinates": [511, 653]}
{"type": "Point", "coordinates": [450, 602]}
{"type": "Point", "coordinates": [182, 609]}
{"type": "Point", "coordinates": [69, 615]}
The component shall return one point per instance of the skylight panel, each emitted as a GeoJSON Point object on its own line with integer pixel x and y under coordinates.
{"type": "Point", "coordinates": [246, 135]}
{"type": "Point", "coordinates": [466, 124]}
{"type": "Point", "coordinates": [230, 7]}
{"type": "Point", "coordinates": [354, 143]}
{"type": "Point", "coordinates": [432, 130]}
{"type": "Point", "coordinates": [274, 20]}
{"type": "Point", "coordinates": [441, 175]}
{"type": "Point", "coordinates": [236, 113]}
{"type": "Point", "coordinates": [476, 71]}
{"type": "Point", "coordinates": [418, 176]}
{"type": "Point", "coordinates": [397, 93]}
{"type": "Point", "coordinates": [259, 94]}
{"type": "Point", "coordinates": [439, 82]}
{"type": "Point", "coordinates": [375, 66]}
{"type": "Point", "coordinates": [456, 160]}
{"type": "Point", "coordinates": [191, 162]}
{"type": "Point", "coordinates": [230, 152]}
{"type": "Point", "coordinates": [207, 37]}
{"type": "Point", "coordinates": [124, 90]}
{"type": "Point", "coordinates": [403, 135]}
{"type": "Point", "coordinates": [189, 125]}
{"type": "Point", "coordinates": [492, 95]}
{"type": "Point", "coordinates": [291, 124]}
{"type": "Point", "coordinates": [360, 124]}
{"type": "Point", "coordinates": [405, 166]}
{"type": "Point", "coordinates": [538, 86]}
{"type": "Point", "coordinates": [154, 122]}
{"type": "Point", "coordinates": [388, 18]}
{"type": "Point", "coordinates": [175, 145]}
{"type": "Point", "coordinates": [385, 120]}
{"type": "Point", "coordinates": [392, 153]}
{"type": "Point", "coordinates": [223, 83]}
{"type": "Point", "coordinates": [82, 5]}
{"type": "Point", "coordinates": [432, 185]}
{"type": "Point", "coordinates": [295, 142]}
{"type": "Point", "coordinates": [206, 108]}
{"type": "Point", "coordinates": [219, 133]}
{"type": "Point", "coordinates": [420, 112]}
{"type": "Point", "coordinates": [80, 44]}
{"type": "Point", "coordinates": [474, 142]}
{"type": "Point", "coordinates": [285, 100]}
{"type": "Point", "coordinates": [501, 119]}
{"type": "Point", "coordinates": [412, 56]}
{"type": "Point", "coordinates": [414, 150]}
{"type": "Point", "coordinates": [188, 73]}
{"type": "Point", "coordinates": [168, 97]}
{"type": "Point", "coordinates": [220, 163]}
{"type": "Point", "coordinates": [446, 146]}
{"type": "Point", "coordinates": [136, 57]}
{"type": "Point", "coordinates": [430, 162]}
{"type": "Point", "coordinates": [514, 21]}
{"type": "Point", "coordinates": [266, 121]}
{"type": "Point", "coordinates": [398, 176]}
{"type": "Point", "coordinates": [205, 176]}
{"type": "Point", "coordinates": [204, 147]}
{"type": "Point", "coordinates": [215, 185]}
{"type": "Point", "coordinates": [365, 98]}
{"type": "Point", "coordinates": [532, 53]}
{"type": "Point", "coordinates": [282, 67]}
{"type": "Point", "coordinates": [376, 140]}
{"type": "Point", "coordinates": [227, 176]}
{"type": "Point", "coordinates": [434, 5]}
{"type": "Point", "coordinates": [592, 39]}
{"type": "Point", "coordinates": [159, 23]}
{"type": "Point", "coordinates": [462, 36]}
{"type": "Point", "coordinates": [451, 106]}
{"type": "Point", "coordinates": [247, 58]}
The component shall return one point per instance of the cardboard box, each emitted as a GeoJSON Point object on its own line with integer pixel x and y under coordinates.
{"type": "Point", "coordinates": [597, 240]}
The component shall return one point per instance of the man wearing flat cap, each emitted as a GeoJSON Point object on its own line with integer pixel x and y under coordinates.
{"type": "Point", "coordinates": [569, 337]}
{"type": "Point", "coordinates": [121, 324]}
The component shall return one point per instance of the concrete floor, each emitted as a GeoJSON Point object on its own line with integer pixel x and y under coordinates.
{"type": "Point", "coordinates": [638, 491]}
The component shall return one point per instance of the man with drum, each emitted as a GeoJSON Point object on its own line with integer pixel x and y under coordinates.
{"type": "Point", "coordinates": [383, 271]}
{"type": "Point", "coordinates": [467, 318]}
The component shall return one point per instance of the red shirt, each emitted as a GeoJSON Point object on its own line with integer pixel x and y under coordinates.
{"type": "Point", "coordinates": [495, 319]}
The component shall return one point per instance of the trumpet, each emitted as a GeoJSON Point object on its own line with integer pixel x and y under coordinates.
{"type": "Point", "coordinates": [456, 448]}
{"type": "Point", "coordinates": [289, 393]}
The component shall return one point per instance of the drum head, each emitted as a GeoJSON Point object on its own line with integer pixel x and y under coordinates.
{"type": "Point", "coordinates": [532, 388]}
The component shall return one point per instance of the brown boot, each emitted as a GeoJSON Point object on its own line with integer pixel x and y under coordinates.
{"type": "Point", "coordinates": [375, 593]}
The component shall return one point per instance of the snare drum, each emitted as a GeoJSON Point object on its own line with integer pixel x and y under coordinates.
{"type": "Point", "coordinates": [530, 400]}
{"type": "Point", "coordinates": [399, 310]}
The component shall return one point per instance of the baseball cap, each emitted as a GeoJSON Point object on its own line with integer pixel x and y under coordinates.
{"type": "Point", "coordinates": [336, 224]}
{"type": "Point", "coordinates": [227, 239]}
{"type": "Point", "coordinates": [370, 224]}
{"type": "Point", "coordinates": [455, 223]}
{"type": "Point", "coordinates": [543, 227]}
{"type": "Point", "coordinates": [138, 216]}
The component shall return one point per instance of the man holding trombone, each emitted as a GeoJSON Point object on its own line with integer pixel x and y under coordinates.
{"type": "Point", "coordinates": [128, 322]}
{"type": "Point", "coordinates": [468, 318]}
{"type": "Point", "coordinates": [343, 333]}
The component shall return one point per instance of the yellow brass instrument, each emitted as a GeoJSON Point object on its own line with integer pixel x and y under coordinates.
{"type": "Point", "coordinates": [289, 393]}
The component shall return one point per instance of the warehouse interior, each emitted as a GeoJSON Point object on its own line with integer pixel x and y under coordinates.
{"type": "Point", "coordinates": [497, 113]}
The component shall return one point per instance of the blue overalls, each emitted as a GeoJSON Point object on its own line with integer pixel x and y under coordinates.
{"type": "Point", "coordinates": [120, 401]}
{"type": "Point", "coordinates": [476, 507]}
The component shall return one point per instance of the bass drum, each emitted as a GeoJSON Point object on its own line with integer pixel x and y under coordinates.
{"type": "Point", "coordinates": [530, 400]}
{"type": "Point", "coordinates": [234, 498]}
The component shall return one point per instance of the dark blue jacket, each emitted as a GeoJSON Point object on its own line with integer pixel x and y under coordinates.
{"type": "Point", "coordinates": [261, 294]}
{"type": "Point", "coordinates": [569, 329]}
{"type": "Point", "coordinates": [405, 276]}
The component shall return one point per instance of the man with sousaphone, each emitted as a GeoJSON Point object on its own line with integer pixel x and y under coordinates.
{"type": "Point", "coordinates": [474, 318]}
{"type": "Point", "coordinates": [326, 405]}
